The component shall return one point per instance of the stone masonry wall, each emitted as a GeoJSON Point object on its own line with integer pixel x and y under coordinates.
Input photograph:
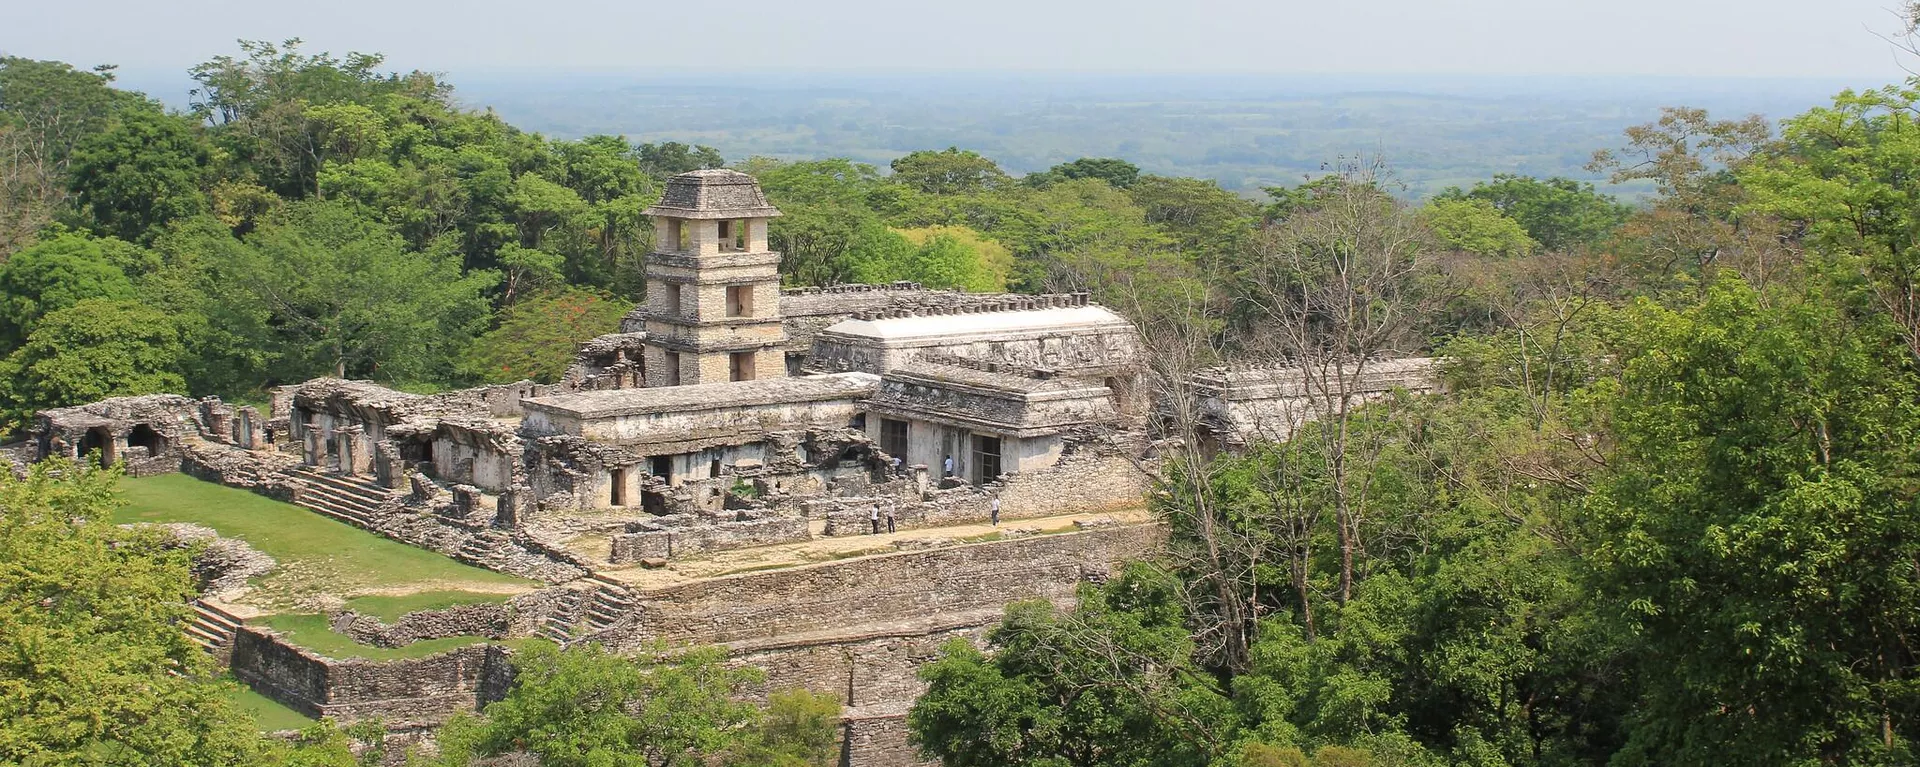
{"type": "Point", "coordinates": [891, 587]}
{"type": "Point", "coordinates": [718, 536]}
{"type": "Point", "coordinates": [401, 693]}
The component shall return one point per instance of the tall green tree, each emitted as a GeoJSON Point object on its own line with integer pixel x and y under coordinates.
{"type": "Point", "coordinates": [57, 273]}
{"type": "Point", "coordinates": [1558, 213]}
{"type": "Point", "coordinates": [92, 350]}
{"type": "Point", "coordinates": [144, 170]}
{"type": "Point", "coordinates": [953, 171]}
{"type": "Point", "coordinates": [1110, 684]}
{"type": "Point", "coordinates": [347, 297]}
{"type": "Point", "coordinates": [537, 338]}
{"type": "Point", "coordinates": [1757, 531]}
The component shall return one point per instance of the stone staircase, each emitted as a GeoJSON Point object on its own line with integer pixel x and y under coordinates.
{"type": "Point", "coordinates": [348, 500]}
{"type": "Point", "coordinates": [483, 546]}
{"type": "Point", "coordinates": [610, 604]}
{"type": "Point", "coordinates": [559, 629]}
{"type": "Point", "coordinates": [212, 628]}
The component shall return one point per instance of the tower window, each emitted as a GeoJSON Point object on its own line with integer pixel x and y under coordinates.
{"type": "Point", "coordinates": [740, 366]}
{"type": "Point", "coordinates": [676, 236]}
{"type": "Point", "coordinates": [739, 300]}
{"type": "Point", "coordinates": [673, 368]}
{"type": "Point", "coordinates": [670, 298]}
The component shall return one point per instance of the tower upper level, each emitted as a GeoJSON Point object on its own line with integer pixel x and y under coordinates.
{"type": "Point", "coordinates": [705, 212]}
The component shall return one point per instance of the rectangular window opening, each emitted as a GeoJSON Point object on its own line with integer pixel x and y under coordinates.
{"type": "Point", "coordinates": [663, 467]}
{"type": "Point", "coordinates": [617, 492]}
{"type": "Point", "coordinates": [740, 366]}
{"type": "Point", "coordinates": [673, 368]}
{"type": "Point", "coordinates": [670, 299]}
{"type": "Point", "coordinates": [739, 300]}
{"type": "Point", "coordinates": [986, 459]}
{"type": "Point", "coordinates": [676, 236]}
{"type": "Point", "coordinates": [893, 437]}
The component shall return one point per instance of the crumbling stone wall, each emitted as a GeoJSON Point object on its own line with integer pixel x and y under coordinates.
{"type": "Point", "coordinates": [878, 589]}
{"type": "Point", "coordinates": [406, 692]}
{"type": "Point", "coordinates": [518, 616]}
{"type": "Point", "coordinates": [704, 536]}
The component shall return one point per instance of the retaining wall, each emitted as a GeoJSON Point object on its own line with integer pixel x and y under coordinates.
{"type": "Point", "coordinates": [877, 589]}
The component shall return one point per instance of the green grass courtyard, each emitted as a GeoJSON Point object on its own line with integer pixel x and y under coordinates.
{"type": "Point", "coordinates": [320, 561]}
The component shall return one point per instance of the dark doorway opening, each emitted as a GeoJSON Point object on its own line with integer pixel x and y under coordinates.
{"type": "Point", "coordinates": [144, 436]}
{"type": "Point", "coordinates": [617, 482]}
{"type": "Point", "coordinates": [986, 459]}
{"type": "Point", "coordinates": [98, 439]}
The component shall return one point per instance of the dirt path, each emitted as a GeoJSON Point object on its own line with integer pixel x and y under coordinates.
{"type": "Point", "coordinates": [821, 549]}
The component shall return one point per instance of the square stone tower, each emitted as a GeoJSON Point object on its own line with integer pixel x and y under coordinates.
{"type": "Point", "coordinates": [713, 287]}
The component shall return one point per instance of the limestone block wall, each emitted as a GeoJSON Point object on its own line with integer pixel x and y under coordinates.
{"type": "Point", "coordinates": [719, 536]}
{"type": "Point", "coordinates": [399, 692]}
{"type": "Point", "coordinates": [879, 589]}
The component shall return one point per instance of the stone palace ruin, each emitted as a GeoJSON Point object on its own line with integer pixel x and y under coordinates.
{"type": "Point", "coordinates": [726, 416]}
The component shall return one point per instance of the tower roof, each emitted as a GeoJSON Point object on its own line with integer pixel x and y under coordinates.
{"type": "Point", "coordinates": [715, 193]}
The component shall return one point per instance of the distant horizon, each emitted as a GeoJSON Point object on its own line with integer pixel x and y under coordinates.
{"type": "Point", "coordinates": [1764, 38]}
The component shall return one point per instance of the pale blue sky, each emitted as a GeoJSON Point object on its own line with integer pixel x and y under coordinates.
{"type": "Point", "coordinates": [1764, 38]}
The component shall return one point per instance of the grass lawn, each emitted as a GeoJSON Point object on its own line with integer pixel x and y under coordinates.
{"type": "Point", "coordinates": [268, 714]}
{"type": "Point", "coordinates": [317, 555]}
{"type": "Point", "coordinates": [311, 632]}
{"type": "Point", "coordinates": [390, 608]}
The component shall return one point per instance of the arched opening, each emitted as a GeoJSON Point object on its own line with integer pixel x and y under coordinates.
{"type": "Point", "coordinates": [145, 436]}
{"type": "Point", "coordinates": [98, 439]}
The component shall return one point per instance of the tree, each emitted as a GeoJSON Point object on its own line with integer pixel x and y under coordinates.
{"type": "Point", "coordinates": [537, 337]}
{"type": "Point", "coordinates": [1839, 175]}
{"type": "Point", "coordinates": [954, 171]}
{"type": "Point", "coordinates": [94, 349]}
{"type": "Point", "coordinates": [798, 729]}
{"type": "Point", "coordinates": [1111, 684]}
{"type": "Point", "coordinates": [1120, 173]}
{"type": "Point", "coordinates": [825, 218]}
{"type": "Point", "coordinates": [46, 109]}
{"type": "Point", "coordinates": [672, 158]}
{"type": "Point", "coordinates": [586, 707]}
{"type": "Point", "coordinates": [55, 274]}
{"type": "Point", "coordinates": [1557, 213]}
{"type": "Point", "coordinates": [1475, 226]}
{"type": "Point", "coordinates": [1342, 282]}
{"type": "Point", "coordinates": [958, 257]}
{"type": "Point", "coordinates": [1755, 531]}
{"type": "Point", "coordinates": [145, 169]}
{"type": "Point", "coordinates": [347, 297]}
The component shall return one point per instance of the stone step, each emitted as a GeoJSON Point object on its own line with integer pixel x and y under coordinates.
{"type": "Point", "coordinates": [358, 488]}
{"type": "Point", "coordinates": [326, 510]}
{"type": "Point", "coordinates": [338, 498]}
{"type": "Point", "coordinates": [216, 615]}
{"type": "Point", "coordinates": [206, 639]}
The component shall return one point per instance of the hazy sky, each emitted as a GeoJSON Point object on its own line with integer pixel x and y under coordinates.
{"type": "Point", "coordinates": [1668, 37]}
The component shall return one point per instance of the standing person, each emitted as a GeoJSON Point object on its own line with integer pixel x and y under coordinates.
{"type": "Point", "coordinates": [889, 519]}
{"type": "Point", "coordinates": [873, 517]}
{"type": "Point", "coordinates": [994, 507]}
{"type": "Point", "coordinates": [946, 466]}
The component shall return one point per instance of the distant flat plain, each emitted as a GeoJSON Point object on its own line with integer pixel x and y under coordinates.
{"type": "Point", "coordinates": [1245, 131]}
